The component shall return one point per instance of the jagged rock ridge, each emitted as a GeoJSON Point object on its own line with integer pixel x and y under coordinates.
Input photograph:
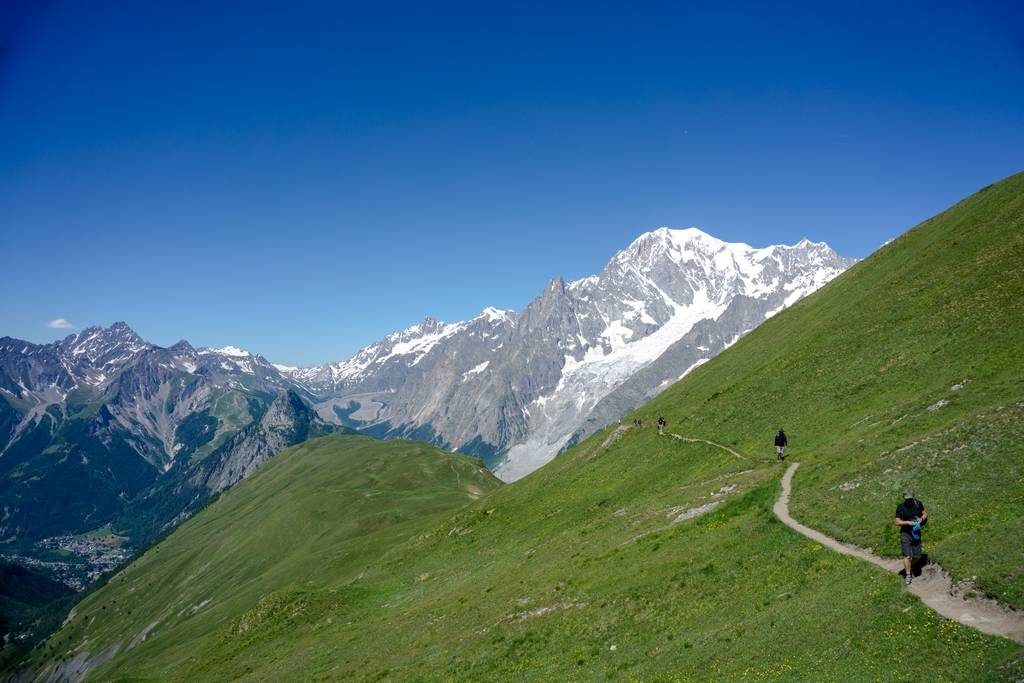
{"type": "Point", "coordinates": [105, 428]}
{"type": "Point", "coordinates": [516, 388]}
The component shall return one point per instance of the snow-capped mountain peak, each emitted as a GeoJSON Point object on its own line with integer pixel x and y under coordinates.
{"type": "Point", "coordinates": [492, 314]}
{"type": "Point", "coordinates": [104, 346]}
{"type": "Point", "coordinates": [405, 347]}
{"type": "Point", "coordinates": [233, 351]}
{"type": "Point", "coordinates": [523, 385]}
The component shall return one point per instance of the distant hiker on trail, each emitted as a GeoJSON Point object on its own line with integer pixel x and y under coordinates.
{"type": "Point", "coordinates": [661, 425]}
{"type": "Point", "coordinates": [780, 445]}
{"type": "Point", "coordinates": [910, 517]}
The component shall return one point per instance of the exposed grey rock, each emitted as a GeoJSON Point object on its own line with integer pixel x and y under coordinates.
{"type": "Point", "coordinates": [517, 388]}
{"type": "Point", "coordinates": [288, 421]}
{"type": "Point", "coordinates": [104, 427]}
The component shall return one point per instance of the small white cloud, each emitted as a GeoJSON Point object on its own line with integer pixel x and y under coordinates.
{"type": "Point", "coordinates": [60, 324]}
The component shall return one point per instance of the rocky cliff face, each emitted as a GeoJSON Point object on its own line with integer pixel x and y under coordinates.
{"type": "Point", "coordinates": [288, 421]}
{"type": "Point", "coordinates": [517, 388]}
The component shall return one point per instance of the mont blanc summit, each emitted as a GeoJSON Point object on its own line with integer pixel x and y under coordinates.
{"type": "Point", "coordinates": [516, 388]}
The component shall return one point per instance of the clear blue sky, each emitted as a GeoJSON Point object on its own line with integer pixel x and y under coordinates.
{"type": "Point", "coordinates": [301, 178]}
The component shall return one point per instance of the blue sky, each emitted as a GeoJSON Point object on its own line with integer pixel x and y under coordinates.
{"type": "Point", "coordinates": [301, 178]}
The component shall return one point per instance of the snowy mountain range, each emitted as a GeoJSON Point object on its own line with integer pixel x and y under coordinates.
{"type": "Point", "coordinates": [516, 388]}
{"type": "Point", "coordinates": [104, 427]}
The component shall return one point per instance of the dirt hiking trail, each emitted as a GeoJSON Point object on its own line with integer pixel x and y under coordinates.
{"type": "Point", "coordinates": [693, 439]}
{"type": "Point", "coordinates": [934, 587]}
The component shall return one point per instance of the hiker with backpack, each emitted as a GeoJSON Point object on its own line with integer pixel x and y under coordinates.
{"type": "Point", "coordinates": [780, 445]}
{"type": "Point", "coordinates": [911, 515]}
{"type": "Point", "coordinates": [661, 425]}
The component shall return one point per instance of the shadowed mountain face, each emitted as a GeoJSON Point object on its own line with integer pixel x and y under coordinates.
{"type": "Point", "coordinates": [516, 388]}
{"type": "Point", "coordinates": [104, 428]}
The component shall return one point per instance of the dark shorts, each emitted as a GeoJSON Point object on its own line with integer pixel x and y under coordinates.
{"type": "Point", "coordinates": [910, 547]}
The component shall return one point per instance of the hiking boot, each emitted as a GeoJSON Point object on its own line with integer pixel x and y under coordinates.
{"type": "Point", "coordinates": [908, 579]}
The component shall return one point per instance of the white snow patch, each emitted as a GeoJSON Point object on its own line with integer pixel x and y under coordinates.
{"type": "Point", "coordinates": [693, 367]}
{"type": "Point", "coordinates": [616, 333]}
{"type": "Point", "coordinates": [492, 314]}
{"type": "Point", "coordinates": [585, 382]}
{"type": "Point", "coordinates": [286, 369]}
{"type": "Point", "coordinates": [583, 282]}
{"type": "Point", "coordinates": [233, 351]}
{"type": "Point", "coordinates": [421, 346]}
{"type": "Point", "coordinates": [412, 341]}
{"type": "Point", "coordinates": [640, 311]}
{"type": "Point", "coordinates": [476, 370]}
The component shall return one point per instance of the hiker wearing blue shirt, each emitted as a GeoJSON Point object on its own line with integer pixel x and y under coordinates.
{"type": "Point", "coordinates": [911, 515]}
{"type": "Point", "coordinates": [780, 445]}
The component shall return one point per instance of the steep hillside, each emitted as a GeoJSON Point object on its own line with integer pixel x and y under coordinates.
{"type": "Point", "coordinates": [647, 556]}
{"type": "Point", "coordinates": [906, 372]}
{"type": "Point", "coordinates": [314, 516]}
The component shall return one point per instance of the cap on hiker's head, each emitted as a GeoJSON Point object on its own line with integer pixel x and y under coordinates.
{"type": "Point", "coordinates": [908, 494]}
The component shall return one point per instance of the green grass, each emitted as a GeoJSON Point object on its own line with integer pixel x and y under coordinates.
{"type": "Point", "coordinates": [315, 513]}
{"type": "Point", "coordinates": [577, 572]}
{"type": "Point", "coordinates": [727, 595]}
{"type": "Point", "coordinates": [852, 371]}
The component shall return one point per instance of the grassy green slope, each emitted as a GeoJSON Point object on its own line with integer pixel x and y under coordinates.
{"type": "Point", "coordinates": [864, 377]}
{"type": "Point", "coordinates": [599, 564]}
{"type": "Point", "coordinates": [579, 574]}
{"type": "Point", "coordinates": [315, 514]}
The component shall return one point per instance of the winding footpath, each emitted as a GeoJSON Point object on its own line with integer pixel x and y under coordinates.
{"type": "Point", "coordinates": [692, 439]}
{"type": "Point", "coordinates": [934, 587]}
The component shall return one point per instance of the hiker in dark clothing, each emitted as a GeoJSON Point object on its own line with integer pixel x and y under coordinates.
{"type": "Point", "coordinates": [911, 515]}
{"type": "Point", "coordinates": [780, 445]}
{"type": "Point", "coordinates": [661, 425]}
